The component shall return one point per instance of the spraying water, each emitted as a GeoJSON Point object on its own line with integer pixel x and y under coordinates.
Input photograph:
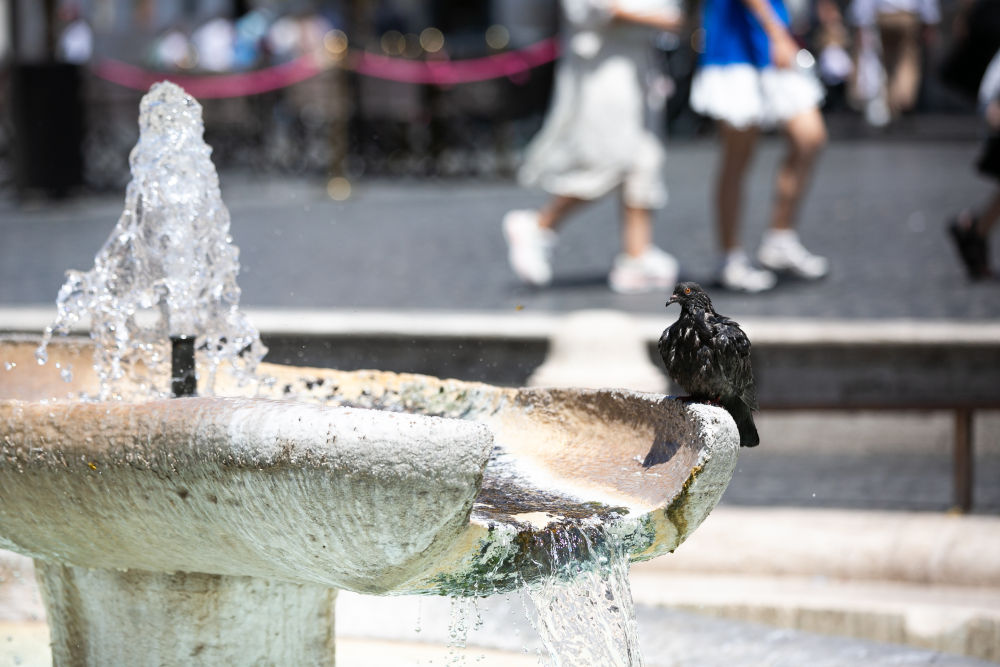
{"type": "Point", "coordinates": [169, 267]}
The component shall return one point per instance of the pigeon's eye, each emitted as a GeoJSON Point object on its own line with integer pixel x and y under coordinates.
{"type": "Point", "coordinates": [687, 290]}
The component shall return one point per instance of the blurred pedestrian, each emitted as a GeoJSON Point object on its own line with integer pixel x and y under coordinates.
{"type": "Point", "coordinates": [752, 74]}
{"type": "Point", "coordinates": [832, 41]}
{"type": "Point", "coordinates": [599, 135]}
{"type": "Point", "coordinates": [970, 230]}
{"type": "Point", "coordinates": [897, 31]}
{"type": "Point", "coordinates": [76, 41]}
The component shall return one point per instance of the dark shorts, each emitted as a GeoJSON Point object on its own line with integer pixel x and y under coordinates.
{"type": "Point", "coordinates": [989, 159]}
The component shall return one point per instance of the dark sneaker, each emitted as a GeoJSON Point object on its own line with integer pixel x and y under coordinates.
{"type": "Point", "coordinates": [972, 248]}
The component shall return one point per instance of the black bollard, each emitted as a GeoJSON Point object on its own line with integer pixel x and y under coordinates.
{"type": "Point", "coordinates": [183, 381]}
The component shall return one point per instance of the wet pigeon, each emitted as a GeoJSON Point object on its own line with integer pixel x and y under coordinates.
{"type": "Point", "coordinates": [709, 356]}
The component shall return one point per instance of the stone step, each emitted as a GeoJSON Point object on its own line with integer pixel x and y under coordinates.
{"type": "Point", "coordinates": [925, 548]}
{"type": "Point", "coordinates": [923, 579]}
{"type": "Point", "coordinates": [959, 620]}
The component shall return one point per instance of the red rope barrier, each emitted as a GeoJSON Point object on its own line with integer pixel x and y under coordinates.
{"type": "Point", "coordinates": [211, 86]}
{"type": "Point", "coordinates": [451, 72]}
{"type": "Point", "coordinates": [434, 72]}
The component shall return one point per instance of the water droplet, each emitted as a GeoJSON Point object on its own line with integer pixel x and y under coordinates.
{"type": "Point", "coordinates": [9, 365]}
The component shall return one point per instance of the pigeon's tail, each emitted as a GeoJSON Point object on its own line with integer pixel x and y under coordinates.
{"type": "Point", "coordinates": [743, 417]}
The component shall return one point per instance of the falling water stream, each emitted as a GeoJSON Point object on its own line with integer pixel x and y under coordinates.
{"type": "Point", "coordinates": [586, 616]}
{"type": "Point", "coordinates": [577, 597]}
{"type": "Point", "coordinates": [169, 269]}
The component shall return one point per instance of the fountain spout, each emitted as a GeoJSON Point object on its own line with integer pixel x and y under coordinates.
{"type": "Point", "coordinates": [183, 378]}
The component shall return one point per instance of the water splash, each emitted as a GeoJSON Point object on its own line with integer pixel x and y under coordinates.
{"type": "Point", "coordinates": [573, 576]}
{"type": "Point", "coordinates": [583, 610]}
{"type": "Point", "coordinates": [168, 268]}
{"type": "Point", "coordinates": [465, 617]}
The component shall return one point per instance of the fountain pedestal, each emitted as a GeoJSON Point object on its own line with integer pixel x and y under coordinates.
{"type": "Point", "coordinates": [134, 617]}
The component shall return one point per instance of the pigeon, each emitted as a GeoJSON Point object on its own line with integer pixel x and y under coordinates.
{"type": "Point", "coordinates": [709, 356]}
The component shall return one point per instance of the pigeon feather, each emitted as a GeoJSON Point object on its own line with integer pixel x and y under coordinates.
{"type": "Point", "coordinates": [708, 355]}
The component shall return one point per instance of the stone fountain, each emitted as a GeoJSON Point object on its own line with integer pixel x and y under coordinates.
{"type": "Point", "coordinates": [218, 528]}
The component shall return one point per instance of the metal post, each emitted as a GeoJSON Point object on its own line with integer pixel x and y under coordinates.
{"type": "Point", "coordinates": [963, 477]}
{"type": "Point", "coordinates": [183, 381]}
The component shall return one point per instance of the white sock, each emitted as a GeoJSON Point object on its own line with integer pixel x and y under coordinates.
{"type": "Point", "coordinates": [734, 255]}
{"type": "Point", "coordinates": [780, 237]}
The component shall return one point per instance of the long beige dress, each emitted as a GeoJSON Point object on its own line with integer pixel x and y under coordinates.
{"type": "Point", "coordinates": [603, 128]}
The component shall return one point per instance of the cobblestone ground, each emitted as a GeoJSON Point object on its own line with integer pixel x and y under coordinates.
{"type": "Point", "coordinates": [877, 209]}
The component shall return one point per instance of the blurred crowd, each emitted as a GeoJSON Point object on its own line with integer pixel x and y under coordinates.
{"type": "Point", "coordinates": [878, 59]}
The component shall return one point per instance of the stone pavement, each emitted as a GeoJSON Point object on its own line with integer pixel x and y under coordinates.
{"type": "Point", "coordinates": [877, 209]}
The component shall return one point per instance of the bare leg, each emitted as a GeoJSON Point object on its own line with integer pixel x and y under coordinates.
{"type": "Point", "coordinates": [737, 150]}
{"type": "Point", "coordinates": [901, 54]}
{"type": "Point", "coordinates": [554, 213]}
{"type": "Point", "coordinates": [806, 134]}
{"type": "Point", "coordinates": [637, 230]}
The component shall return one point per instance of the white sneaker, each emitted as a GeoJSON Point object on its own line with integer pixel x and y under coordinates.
{"type": "Point", "coordinates": [781, 251]}
{"type": "Point", "coordinates": [529, 247]}
{"type": "Point", "coordinates": [877, 112]}
{"type": "Point", "coordinates": [738, 274]}
{"type": "Point", "coordinates": [653, 270]}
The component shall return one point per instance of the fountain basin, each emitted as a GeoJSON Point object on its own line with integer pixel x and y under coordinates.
{"type": "Point", "coordinates": [218, 529]}
{"type": "Point", "coordinates": [369, 481]}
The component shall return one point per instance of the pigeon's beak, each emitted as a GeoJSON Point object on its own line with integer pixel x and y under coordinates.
{"type": "Point", "coordinates": [673, 299]}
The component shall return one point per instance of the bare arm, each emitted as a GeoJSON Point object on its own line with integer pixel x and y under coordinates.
{"type": "Point", "coordinates": [667, 20]}
{"type": "Point", "coordinates": [783, 47]}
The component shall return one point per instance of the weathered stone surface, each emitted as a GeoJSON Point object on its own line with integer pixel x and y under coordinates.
{"type": "Point", "coordinates": [341, 497]}
{"type": "Point", "coordinates": [184, 619]}
{"type": "Point", "coordinates": [370, 481]}
{"type": "Point", "coordinates": [263, 500]}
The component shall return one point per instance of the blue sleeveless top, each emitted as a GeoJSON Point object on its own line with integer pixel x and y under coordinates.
{"type": "Point", "coordinates": [733, 35]}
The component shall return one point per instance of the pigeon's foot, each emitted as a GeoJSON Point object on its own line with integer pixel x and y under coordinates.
{"type": "Point", "coordinates": [697, 399]}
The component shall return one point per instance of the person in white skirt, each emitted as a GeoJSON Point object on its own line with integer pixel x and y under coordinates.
{"type": "Point", "coordinates": [751, 75]}
{"type": "Point", "coordinates": [599, 135]}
